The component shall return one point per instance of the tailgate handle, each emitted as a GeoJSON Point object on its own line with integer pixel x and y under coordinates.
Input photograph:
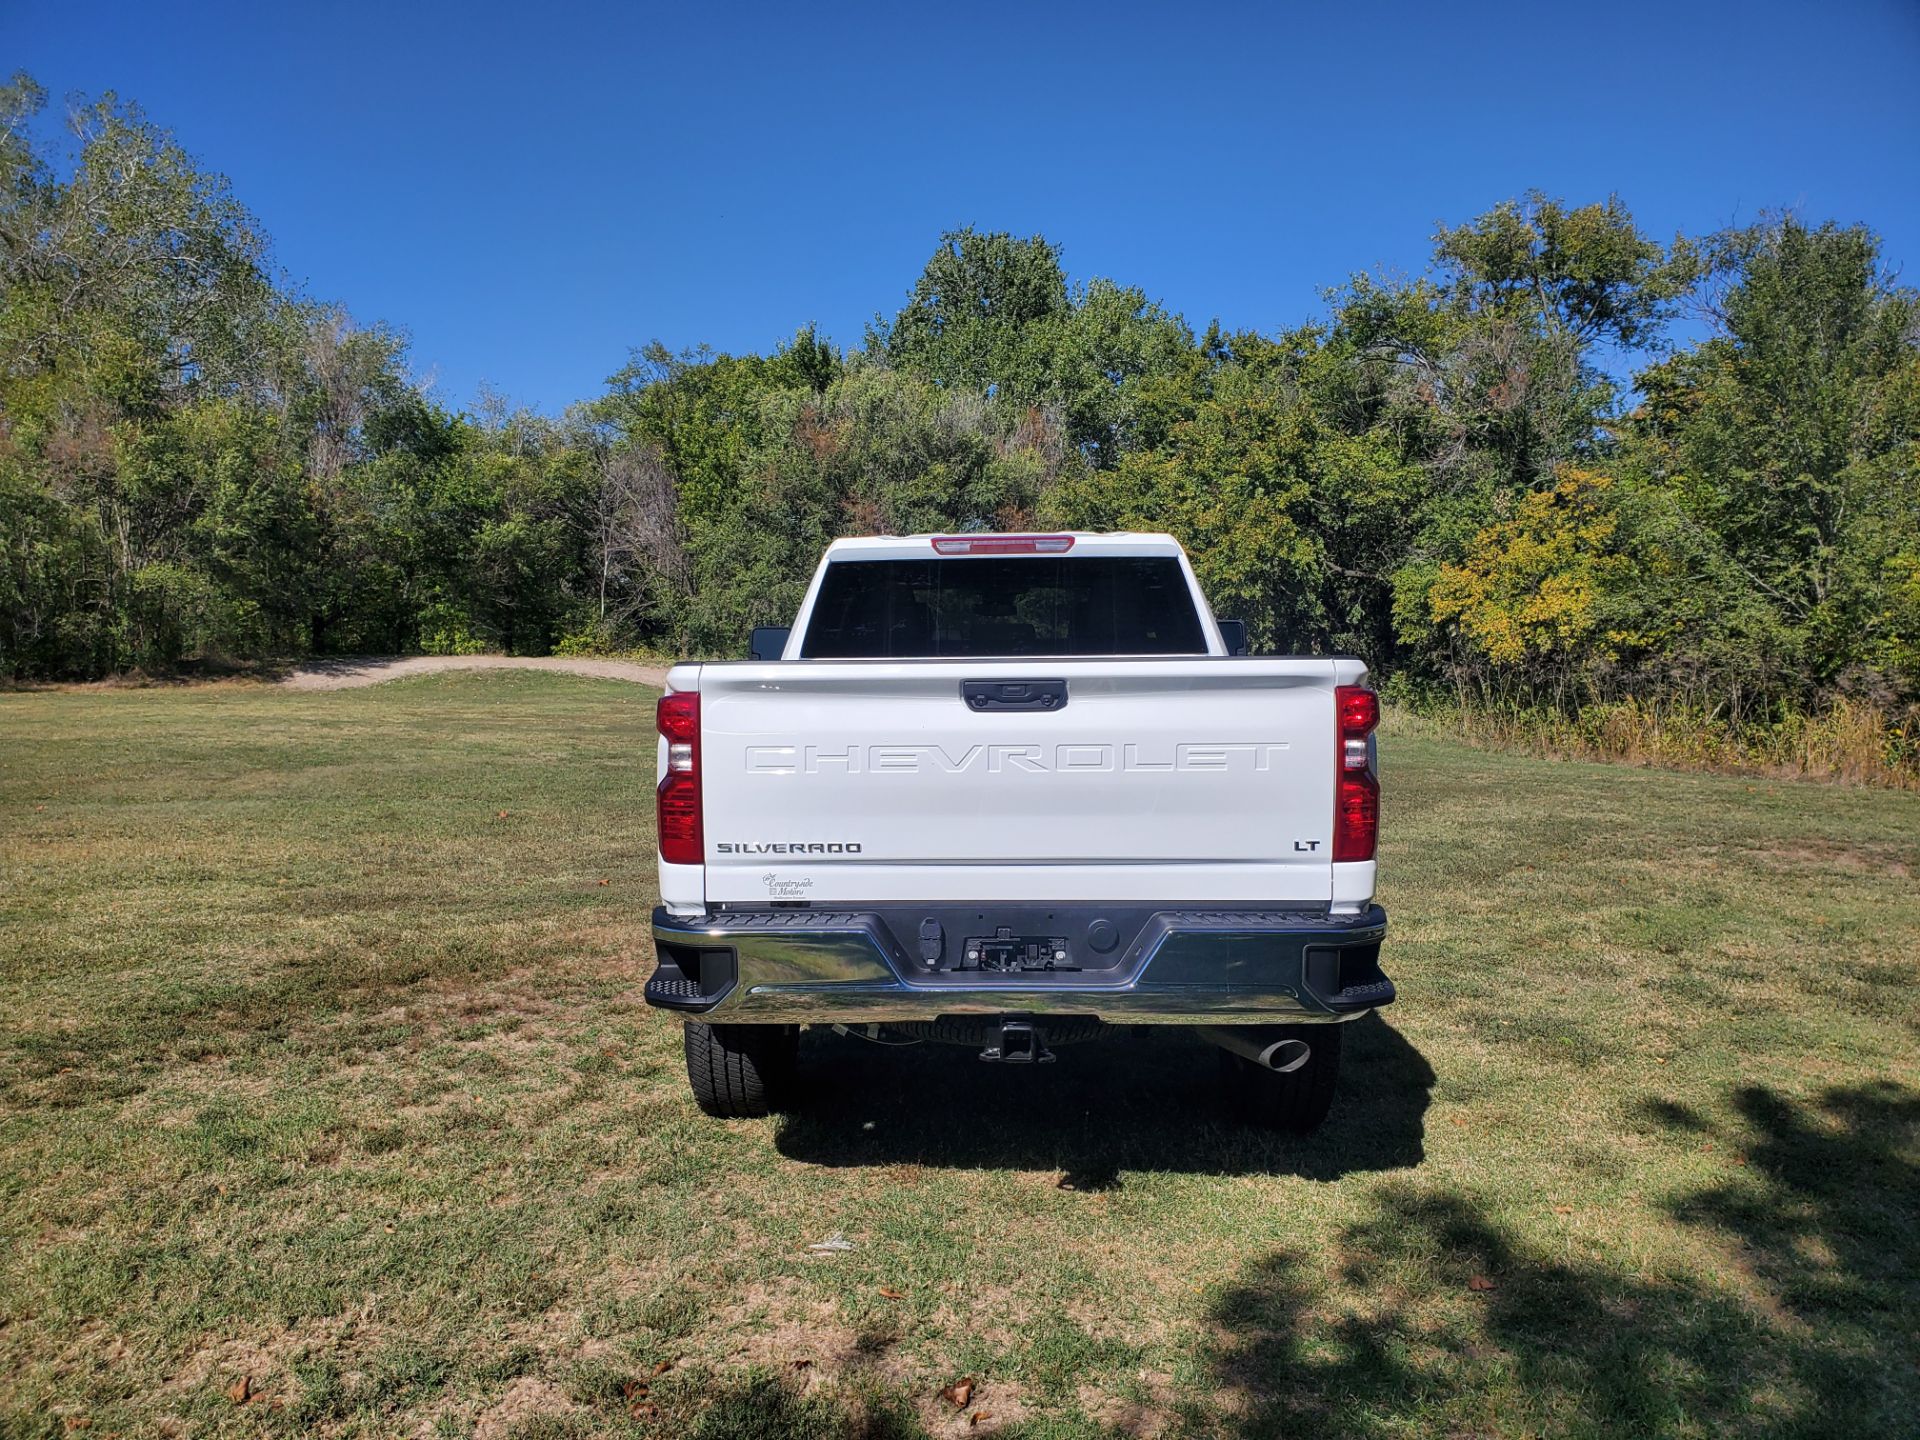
{"type": "Point", "coordinates": [1026, 696]}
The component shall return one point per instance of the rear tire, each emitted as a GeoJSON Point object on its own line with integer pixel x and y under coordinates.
{"type": "Point", "coordinates": [1295, 1102]}
{"type": "Point", "coordinates": [740, 1071]}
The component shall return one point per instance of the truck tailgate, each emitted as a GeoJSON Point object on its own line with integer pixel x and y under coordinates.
{"type": "Point", "coordinates": [1191, 779]}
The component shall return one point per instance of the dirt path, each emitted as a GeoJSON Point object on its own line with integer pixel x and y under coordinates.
{"type": "Point", "coordinates": [347, 673]}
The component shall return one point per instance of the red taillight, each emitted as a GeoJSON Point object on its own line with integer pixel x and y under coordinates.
{"type": "Point", "coordinates": [1356, 796]}
{"type": "Point", "coordinates": [677, 802]}
{"type": "Point", "coordinates": [1003, 544]}
{"type": "Point", "coordinates": [1359, 708]}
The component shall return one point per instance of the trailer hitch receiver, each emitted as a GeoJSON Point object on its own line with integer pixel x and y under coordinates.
{"type": "Point", "coordinates": [1021, 1043]}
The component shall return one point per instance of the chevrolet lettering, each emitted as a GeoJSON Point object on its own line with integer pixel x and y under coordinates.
{"type": "Point", "coordinates": [999, 759]}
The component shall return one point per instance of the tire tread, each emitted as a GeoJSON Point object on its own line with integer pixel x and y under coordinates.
{"type": "Point", "coordinates": [740, 1071]}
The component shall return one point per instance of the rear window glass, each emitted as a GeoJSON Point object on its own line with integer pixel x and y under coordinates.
{"type": "Point", "coordinates": [1003, 606]}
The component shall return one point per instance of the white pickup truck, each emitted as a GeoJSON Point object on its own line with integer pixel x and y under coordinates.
{"type": "Point", "coordinates": [1012, 791]}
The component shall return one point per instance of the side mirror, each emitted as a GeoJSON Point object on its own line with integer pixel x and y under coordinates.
{"type": "Point", "coordinates": [769, 641]}
{"type": "Point", "coordinates": [1234, 633]}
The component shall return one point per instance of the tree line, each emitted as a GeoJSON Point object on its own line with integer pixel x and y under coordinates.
{"type": "Point", "coordinates": [1569, 467]}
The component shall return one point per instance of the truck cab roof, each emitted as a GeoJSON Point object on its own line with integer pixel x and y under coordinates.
{"type": "Point", "coordinates": [994, 542]}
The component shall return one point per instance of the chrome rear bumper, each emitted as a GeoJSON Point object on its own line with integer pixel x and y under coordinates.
{"type": "Point", "coordinates": [1185, 966]}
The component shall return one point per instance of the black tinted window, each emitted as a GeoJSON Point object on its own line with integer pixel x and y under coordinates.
{"type": "Point", "coordinates": [1003, 606]}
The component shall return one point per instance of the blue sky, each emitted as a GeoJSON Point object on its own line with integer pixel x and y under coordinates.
{"type": "Point", "coordinates": [530, 190]}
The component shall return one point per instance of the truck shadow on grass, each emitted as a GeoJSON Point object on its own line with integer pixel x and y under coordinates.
{"type": "Point", "coordinates": [1480, 1325]}
{"type": "Point", "coordinates": [1154, 1103]}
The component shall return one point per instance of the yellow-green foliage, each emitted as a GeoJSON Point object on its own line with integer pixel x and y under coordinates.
{"type": "Point", "coordinates": [1529, 587]}
{"type": "Point", "coordinates": [1902, 635]}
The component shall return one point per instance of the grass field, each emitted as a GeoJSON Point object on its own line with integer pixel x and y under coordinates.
{"type": "Point", "coordinates": [328, 1105]}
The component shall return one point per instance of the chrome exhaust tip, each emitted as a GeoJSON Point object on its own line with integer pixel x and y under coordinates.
{"type": "Point", "coordinates": [1282, 1056]}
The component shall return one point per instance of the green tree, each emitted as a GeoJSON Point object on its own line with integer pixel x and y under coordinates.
{"type": "Point", "coordinates": [1585, 271]}
{"type": "Point", "coordinates": [993, 314]}
{"type": "Point", "coordinates": [1791, 437]}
